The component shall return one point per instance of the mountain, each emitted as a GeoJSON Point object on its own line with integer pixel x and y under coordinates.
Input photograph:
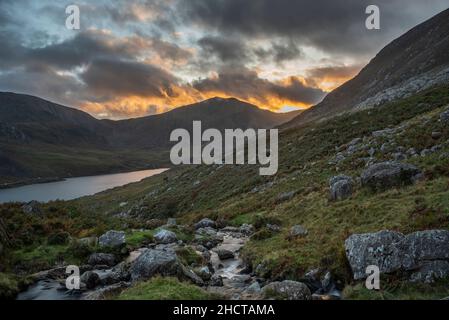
{"type": "Point", "coordinates": [39, 138]}
{"type": "Point", "coordinates": [414, 62]}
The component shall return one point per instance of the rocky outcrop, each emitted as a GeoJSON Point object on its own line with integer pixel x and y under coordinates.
{"type": "Point", "coordinates": [165, 237]}
{"type": "Point", "coordinates": [97, 259]}
{"type": "Point", "coordinates": [341, 187]}
{"type": "Point", "coordinates": [382, 176]}
{"type": "Point", "coordinates": [424, 255]}
{"type": "Point", "coordinates": [112, 238]}
{"type": "Point", "coordinates": [204, 223]}
{"type": "Point", "coordinates": [225, 254]}
{"type": "Point", "coordinates": [287, 290]}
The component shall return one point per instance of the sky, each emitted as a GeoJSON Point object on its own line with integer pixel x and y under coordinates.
{"type": "Point", "coordinates": [141, 57]}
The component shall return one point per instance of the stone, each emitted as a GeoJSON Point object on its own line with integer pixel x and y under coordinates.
{"type": "Point", "coordinates": [106, 292]}
{"type": "Point", "coordinates": [254, 288]}
{"type": "Point", "coordinates": [436, 135]}
{"type": "Point", "coordinates": [204, 223]}
{"type": "Point", "coordinates": [171, 222]}
{"type": "Point", "coordinates": [216, 281]}
{"type": "Point", "coordinates": [90, 279]}
{"type": "Point", "coordinates": [399, 156]}
{"type": "Point", "coordinates": [153, 262]}
{"type": "Point", "coordinates": [117, 274]}
{"type": "Point", "coordinates": [287, 290]}
{"type": "Point", "coordinates": [444, 116]}
{"type": "Point", "coordinates": [224, 254]}
{"type": "Point", "coordinates": [273, 227]}
{"type": "Point", "coordinates": [204, 273]}
{"type": "Point", "coordinates": [207, 231]}
{"type": "Point", "coordinates": [165, 237]}
{"type": "Point", "coordinates": [285, 196]}
{"type": "Point", "coordinates": [96, 259]}
{"type": "Point", "coordinates": [298, 231]}
{"type": "Point", "coordinates": [340, 187]}
{"type": "Point", "coordinates": [431, 271]}
{"type": "Point", "coordinates": [425, 152]}
{"type": "Point", "coordinates": [382, 176]}
{"type": "Point", "coordinates": [32, 207]}
{"type": "Point", "coordinates": [112, 238]}
{"type": "Point", "coordinates": [246, 229]}
{"type": "Point", "coordinates": [363, 250]}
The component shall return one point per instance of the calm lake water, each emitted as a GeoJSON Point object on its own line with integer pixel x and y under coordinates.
{"type": "Point", "coordinates": [73, 188]}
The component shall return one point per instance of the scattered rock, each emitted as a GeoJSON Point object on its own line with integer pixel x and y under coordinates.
{"type": "Point", "coordinates": [273, 227]}
{"type": "Point", "coordinates": [385, 175]}
{"type": "Point", "coordinates": [287, 290]}
{"type": "Point", "coordinates": [224, 254]}
{"type": "Point", "coordinates": [204, 223]}
{"type": "Point", "coordinates": [340, 187]}
{"type": "Point", "coordinates": [90, 279]}
{"type": "Point", "coordinates": [32, 207]}
{"type": "Point", "coordinates": [216, 281]}
{"type": "Point", "coordinates": [247, 229]}
{"type": "Point", "coordinates": [112, 238]}
{"type": "Point", "coordinates": [165, 237]}
{"type": "Point", "coordinates": [285, 196]}
{"type": "Point", "coordinates": [298, 231]}
{"type": "Point", "coordinates": [96, 259]}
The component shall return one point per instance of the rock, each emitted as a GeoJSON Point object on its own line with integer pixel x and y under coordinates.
{"type": "Point", "coordinates": [165, 263]}
{"type": "Point", "coordinates": [340, 187]}
{"type": "Point", "coordinates": [224, 254]}
{"type": "Point", "coordinates": [425, 153]}
{"type": "Point", "coordinates": [436, 135]}
{"type": "Point", "coordinates": [436, 148]}
{"type": "Point", "coordinates": [247, 229]}
{"type": "Point", "coordinates": [165, 237]}
{"type": "Point", "coordinates": [431, 271]}
{"type": "Point", "coordinates": [371, 152]}
{"type": "Point", "coordinates": [298, 231]}
{"type": "Point", "coordinates": [171, 222]}
{"type": "Point", "coordinates": [96, 259]}
{"type": "Point", "coordinates": [90, 279]}
{"type": "Point", "coordinates": [399, 156]}
{"type": "Point", "coordinates": [363, 250]}
{"type": "Point", "coordinates": [32, 207]}
{"type": "Point", "coordinates": [273, 227]}
{"type": "Point", "coordinates": [444, 117]}
{"type": "Point", "coordinates": [254, 288]}
{"type": "Point", "coordinates": [118, 274]}
{"type": "Point", "coordinates": [285, 196]}
{"type": "Point", "coordinates": [383, 133]}
{"type": "Point", "coordinates": [204, 223]}
{"type": "Point", "coordinates": [204, 273]}
{"type": "Point", "coordinates": [106, 292]}
{"type": "Point", "coordinates": [112, 238]}
{"type": "Point", "coordinates": [89, 241]}
{"type": "Point", "coordinates": [208, 231]}
{"type": "Point", "coordinates": [287, 290]}
{"type": "Point", "coordinates": [216, 281]}
{"type": "Point", "coordinates": [385, 175]}
{"type": "Point", "coordinates": [411, 151]}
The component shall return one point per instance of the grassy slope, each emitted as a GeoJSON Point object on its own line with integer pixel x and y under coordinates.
{"type": "Point", "coordinates": [228, 193]}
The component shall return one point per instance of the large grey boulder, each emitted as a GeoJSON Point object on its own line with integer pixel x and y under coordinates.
{"type": "Point", "coordinates": [224, 254]}
{"type": "Point", "coordinates": [90, 279]}
{"type": "Point", "coordinates": [287, 290]}
{"type": "Point", "coordinates": [382, 176]}
{"type": "Point", "coordinates": [158, 262]}
{"type": "Point", "coordinates": [379, 249]}
{"type": "Point", "coordinates": [96, 259]}
{"type": "Point", "coordinates": [204, 223]}
{"type": "Point", "coordinates": [165, 237]}
{"type": "Point", "coordinates": [444, 116]}
{"type": "Point", "coordinates": [112, 238]}
{"type": "Point", "coordinates": [423, 254]}
{"type": "Point", "coordinates": [340, 187]}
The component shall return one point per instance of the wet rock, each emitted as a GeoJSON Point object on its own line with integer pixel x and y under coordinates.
{"type": "Point", "coordinates": [90, 279]}
{"type": "Point", "coordinates": [224, 254]}
{"type": "Point", "coordinates": [204, 223]}
{"type": "Point", "coordinates": [385, 175]}
{"type": "Point", "coordinates": [340, 187]}
{"type": "Point", "coordinates": [112, 238]}
{"type": "Point", "coordinates": [204, 273]}
{"type": "Point", "coordinates": [287, 290]}
{"type": "Point", "coordinates": [96, 259]}
{"type": "Point", "coordinates": [32, 207]}
{"type": "Point", "coordinates": [216, 281]}
{"type": "Point", "coordinates": [165, 237]}
{"type": "Point", "coordinates": [298, 231]}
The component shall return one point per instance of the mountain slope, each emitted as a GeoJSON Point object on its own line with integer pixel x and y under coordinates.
{"type": "Point", "coordinates": [42, 139]}
{"type": "Point", "coordinates": [415, 61]}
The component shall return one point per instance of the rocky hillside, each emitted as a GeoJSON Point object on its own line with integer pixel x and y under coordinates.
{"type": "Point", "coordinates": [416, 61]}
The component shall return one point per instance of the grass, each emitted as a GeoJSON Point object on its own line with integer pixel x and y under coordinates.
{"type": "Point", "coordinates": [9, 286]}
{"type": "Point", "coordinates": [138, 238]}
{"type": "Point", "coordinates": [164, 289]}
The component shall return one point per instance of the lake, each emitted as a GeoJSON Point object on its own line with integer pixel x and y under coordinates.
{"type": "Point", "coordinates": [73, 188]}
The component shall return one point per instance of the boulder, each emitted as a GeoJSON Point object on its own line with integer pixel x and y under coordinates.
{"type": "Point", "coordinates": [444, 116]}
{"type": "Point", "coordinates": [106, 292]}
{"type": "Point", "coordinates": [287, 290]}
{"type": "Point", "coordinates": [298, 231]}
{"type": "Point", "coordinates": [246, 229]}
{"type": "Point", "coordinates": [340, 187]}
{"type": "Point", "coordinates": [216, 281]}
{"type": "Point", "coordinates": [90, 279]}
{"type": "Point", "coordinates": [117, 274]}
{"type": "Point", "coordinates": [225, 254]}
{"type": "Point", "coordinates": [204, 273]}
{"type": "Point", "coordinates": [171, 222]}
{"type": "Point", "coordinates": [273, 227]}
{"type": "Point", "coordinates": [107, 259]}
{"type": "Point", "coordinates": [112, 239]}
{"type": "Point", "coordinates": [165, 237]}
{"type": "Point", "coordinates": [431, 271]}
{"type": "Point", "coordinates": [204, 223]}
{"type": "Point", "coordinates": [285, 196]}
{"type": "Point", "coordinates": [380, 249]}
{"type": "Point", "coordinates": [32, 207]}
{"type": "Point", "coordinates": [389, 174]}
{"type": "Point", "coordinates": [254, 288]}
{"type": "Point", "coordinates": [207, 231]}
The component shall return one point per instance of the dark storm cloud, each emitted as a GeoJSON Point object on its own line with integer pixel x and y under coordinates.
{"type": "Point", "coordinates": [335, 26]}
{"type": "Point", "coordinates": [111, 78]}
{"type": "Point", "coordinates": [226, 49]}
{"type": "Point", "coordinates": [279, 52]}
{"type": "Point", "coordinates": [246, 84]}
